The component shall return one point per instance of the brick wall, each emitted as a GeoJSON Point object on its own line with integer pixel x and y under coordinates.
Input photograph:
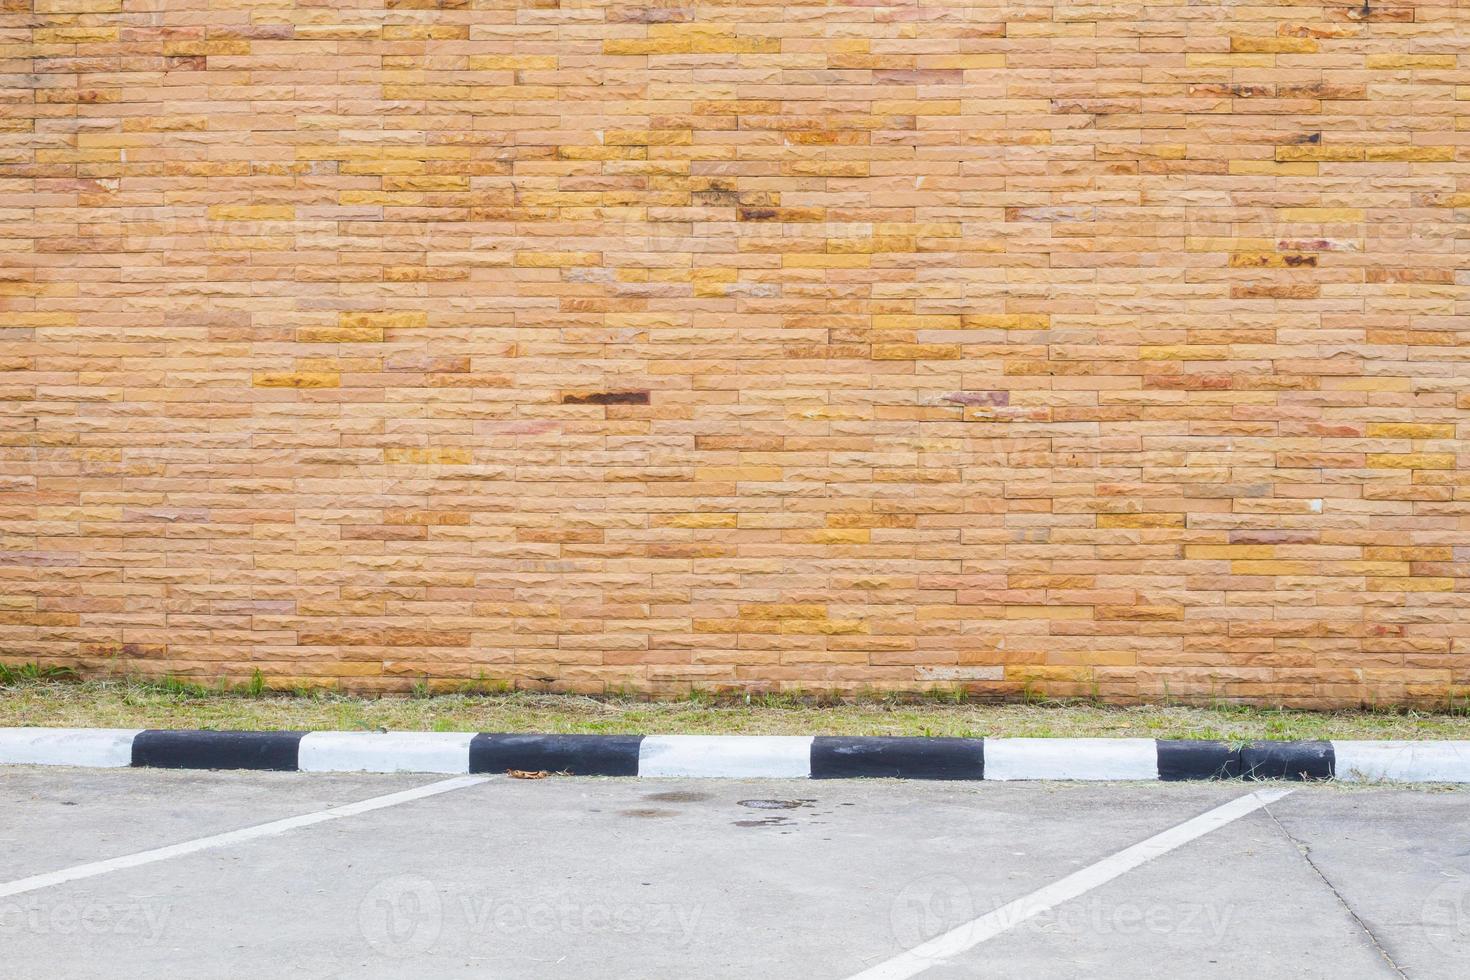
{"type": "Point", "coordinates": [1114, 349]}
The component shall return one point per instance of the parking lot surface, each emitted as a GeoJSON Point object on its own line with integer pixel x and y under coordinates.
{"type": "Point", "coordinates": [641, 878]}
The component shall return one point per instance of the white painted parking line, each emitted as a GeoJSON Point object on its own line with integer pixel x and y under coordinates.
{"type": "Point", "coordinates": [950, 944]}
{"type": "Point", "coordinates": [271, 829]}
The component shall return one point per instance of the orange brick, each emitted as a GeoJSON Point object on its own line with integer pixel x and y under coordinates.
{"type": "Point", "coordinates": [768, 474]}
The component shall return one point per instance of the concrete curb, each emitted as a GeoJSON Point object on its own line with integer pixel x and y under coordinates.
{"type": "Point", "coordinates": [749, 756]}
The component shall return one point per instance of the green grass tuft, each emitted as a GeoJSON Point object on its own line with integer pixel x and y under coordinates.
{"type": "Point", "coordinates": [52, 696]}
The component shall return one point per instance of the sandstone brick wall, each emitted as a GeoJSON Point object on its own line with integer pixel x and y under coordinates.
{"type": "Point", "coordinates": [1114, 349]}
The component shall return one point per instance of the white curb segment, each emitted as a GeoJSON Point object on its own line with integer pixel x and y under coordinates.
{"type": "Point", "coordinates": [385, 752]}
{"type": "Point", "coordinates": [1408, 762]}
{"type": "Point", "coordinates": [106, 748]}
{"type": "Point", "coordinates": [1071, 758]}
{"type": "Point", "coordinates": [734, 756]}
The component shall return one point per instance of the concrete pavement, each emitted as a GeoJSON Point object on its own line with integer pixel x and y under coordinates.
{"type": "Point", "coordinates": [626, 878]}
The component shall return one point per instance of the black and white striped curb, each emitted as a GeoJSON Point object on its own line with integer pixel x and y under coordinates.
{"type": "Point", "coordinates": [748, 756]}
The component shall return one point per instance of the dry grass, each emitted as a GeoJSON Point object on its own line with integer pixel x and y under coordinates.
{"type": "Point", "coordinates": [137, 704]}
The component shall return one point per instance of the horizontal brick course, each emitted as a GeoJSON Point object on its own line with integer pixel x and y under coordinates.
{"type": "Point", "coordinates": [805, 346]}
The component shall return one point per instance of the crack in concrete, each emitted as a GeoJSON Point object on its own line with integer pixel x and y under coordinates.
{"type": "Point", "coordinates": [1305, 851]}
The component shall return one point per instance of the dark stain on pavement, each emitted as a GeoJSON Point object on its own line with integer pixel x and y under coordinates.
{"type": "Point", "coordinates": [677, 796]}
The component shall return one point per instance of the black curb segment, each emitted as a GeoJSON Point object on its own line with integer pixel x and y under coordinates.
{"type": "Point", "coordinates": [1298, 761]}
{"type": "Point", "coordinates": [837, 757]}
{"type": "Point", "coordinates": [160, 749]}
{"type": "Point", "coordinates": [579, 755]}
{"type": "Point", "coordinates": [1181, 759]}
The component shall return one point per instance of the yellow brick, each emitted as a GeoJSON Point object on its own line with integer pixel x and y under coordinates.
{"type": "Point", "coordinates": [1410, 430]}
{"type": "Point", "coordinates": [388, 198]}
{"type": "Point", "coordinates": [1140, 520]}
{"type": "Point", "coordinates": [1273, 44]}
{"type": "Point", "coordinates": [252, 212]}
{"type": "Point", "coordinates": [823, 627]}
{"type": "Point", "coordinates": [339, 335]}
{"type": "Point", "coordinates": [1382, 569]}
{"type": "Point", "coordinates": [19, 318]}
{"type": "Point", "coordinates": [1183, 352]}
{"type": "Point", "coordinates": [513, 62]}
{"type": "Point", "coordinates": [872, 245]}
{"type": "Point", "coordinates": [1410, 154]}
{"type": "Point", "coordinates": [1007, 321]}
{"type": "Point", "coordinates": [75, 35]}
{"type": "Point", "coordinates": [553, 260]}
{"type": "Point", "coordinates": [693, 46]}
{"type": "Point", "coordinates": [219, 46]}
{"type": "Point", "coordinates": [699, 29]}
{"type": "Point", "coordinates": [1411, 461]}
{"type": "Point", "coordinates": [1383, 61]}
{"type": "Point", "coordinates": [395, 320]}
{"type": "Point", "coordinates": [691, 41]}
{"type": "Point", "coordinates": [758, 626]}
{"type": "Point", "coordinates": [1326, 153]}
{"type": "Point", "coordinates": [1411, 585]}
{"type": "Point", "coordinates": [700, 520]}
{"type": "Point", "coordinates": [296, 379]}
{"type": "Point", "coordinates": [422, 183]}
{"type": "Point", "coordinates": [917, 321]}
{"type": "Point", "coordinates": [838, 536]}
{"type": "Point", "coordinates": [1271, 260]}
{"type": "Point", "coordinates": [916, 352]}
